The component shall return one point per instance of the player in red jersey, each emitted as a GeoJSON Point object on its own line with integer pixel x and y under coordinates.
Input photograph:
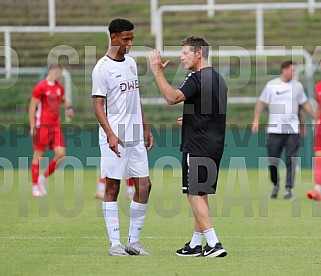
{"type": "Point", "coordinates": [45, 130]}
{"type": "Point", "coordinates": [316, 193]}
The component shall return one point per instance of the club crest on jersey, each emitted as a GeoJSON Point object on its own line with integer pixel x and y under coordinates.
{"type": "Point", "coordinates": [133, 70]}
{"type": "Point", "coordinates": [58, 91]}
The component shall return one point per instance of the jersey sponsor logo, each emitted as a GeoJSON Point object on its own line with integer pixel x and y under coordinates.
{"type": "Point", "coordinates": [48, 93]}
{"type": "Point", "coordinates": [128, 86]}
{"type": "Point", "coordinates": [133, 70]}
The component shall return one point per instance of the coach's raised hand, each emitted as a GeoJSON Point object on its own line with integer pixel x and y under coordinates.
{"type": "Point", "coordinates": [155, 61]}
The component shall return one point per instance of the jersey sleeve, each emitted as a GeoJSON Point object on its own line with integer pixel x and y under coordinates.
{"type": "Point", "coordinates": [264, 97]}
{"type": "Point", "coordinates": [317, 92]}
{"type": "Point", "coordinates": [99, 83]}
{"type": "Point", "coordinates": [189, 86]}
{"type": "Point", "coordinates": [62, 91]}
{"type": "Point", "coordinates": [37, 91]}
{"type": "Point", "coordinates": [302, 97]}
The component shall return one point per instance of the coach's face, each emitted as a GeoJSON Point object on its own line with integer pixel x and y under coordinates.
{"type": "Point", "coordinates": [189, 58]}
{"type": "Point", "coordinates": [123, 41]}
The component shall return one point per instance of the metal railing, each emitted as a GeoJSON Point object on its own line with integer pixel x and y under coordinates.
{"type": "Point", "coordinates": [157, 18]}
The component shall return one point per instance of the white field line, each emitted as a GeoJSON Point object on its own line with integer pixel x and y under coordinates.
{"type": "Point", "coordinates": [151, 238]}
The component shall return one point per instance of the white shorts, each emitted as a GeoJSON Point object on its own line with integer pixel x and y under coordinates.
{"type": "Point", "coordinates": [132, 163]}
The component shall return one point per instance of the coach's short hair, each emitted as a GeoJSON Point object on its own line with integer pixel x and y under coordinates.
{"type": "Point", "coordinates": [197, 42]}
{"type": "Point", "coordinates": [120, 25]}
{"type": "Point", "coordinates": [287, 64]}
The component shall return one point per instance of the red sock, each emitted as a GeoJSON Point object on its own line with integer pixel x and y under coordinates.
{"type": "Point", "coordinates": [129, 182]}
{"type": "Point", "coordinates": [35, 173]}
{"type": "Point", "coordinates": [102, 180]}
{"type": "Point", "coordinates": [317, 170]}
{"type": "Point", "coordinates": [51, 168]}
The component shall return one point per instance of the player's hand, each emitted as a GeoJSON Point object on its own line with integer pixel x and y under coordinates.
{"type": "Point", "coordinates": [255, 128]}
{"type": "Point", "coordinates": [303, 130]}
{"type": "Point", "coordinates": [113, 142]}
{"type": "Point", "coordinates": [70, 112]}
{"type": "Point", "coordinates": [32, 132]}
{"type": "Point", "coordinates": [180, 121]}
{"type": "Point", "coordinates": [149, 140]}
{"type": "Point", "coordinates": [155, 61]}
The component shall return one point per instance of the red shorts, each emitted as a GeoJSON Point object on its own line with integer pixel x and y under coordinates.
{"type": "Point", "coordinates": [317, 136]}
{"type": "Point", "coordinates": [48, 136]}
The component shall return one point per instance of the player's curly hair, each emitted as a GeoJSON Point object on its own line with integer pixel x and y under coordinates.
{"type": "Point", "coordinates": [120, 25]}
{"type": "Point", "coordinates": [196, 43]}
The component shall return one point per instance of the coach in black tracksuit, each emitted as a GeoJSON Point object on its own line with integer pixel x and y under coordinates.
{"type": "Point", "coordinates": [204, 93]}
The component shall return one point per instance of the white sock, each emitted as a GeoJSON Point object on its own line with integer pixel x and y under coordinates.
{"type": "Point", "coordinates": [137, 217]}
{"type": "Point", "coordinates": [196, 239]}
{"type": "Point", "coordinates": [35, 188]}
{"type": "Point", "coordinates": [110, 211]}
{"type": "Point", "coordinates": [101, 187]}
{"type": "Point", "coordinates": [211, 237]}
{"type": "Point", "coordinates": [317, 187]}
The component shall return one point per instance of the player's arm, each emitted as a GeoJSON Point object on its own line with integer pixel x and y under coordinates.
{"type": "Point", "coordinates": [303, 121]}
{"type": "Point", "coordinates": [171, 95]}
{"type": "Point", "coordinates": [308, 108]}
{"type": "Point", "coordinates": [148, 137]}
{"type": "Point", "coordinates": [113, 140]}
{"type": "Point", "coordinates": [259, 107]}
{"type": "Point", "coordinates": [32, 115]}
{"type": "Point", "coordinates": [68, 107]}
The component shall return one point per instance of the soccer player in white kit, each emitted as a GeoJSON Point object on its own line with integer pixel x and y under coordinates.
{"type": "Point", "coordinates": [124, 136]}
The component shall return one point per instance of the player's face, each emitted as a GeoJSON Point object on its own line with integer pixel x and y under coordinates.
{"type": "Point", "coordinates": [123, 40]}
{"type": "Point", "coordinates": [289, 73]}
{"type": "Point", "coordinates": [56, 73]}
{"type": "Point", "coordinates": [188, 58]}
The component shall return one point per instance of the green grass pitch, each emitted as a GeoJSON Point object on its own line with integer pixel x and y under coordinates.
{"type": "Point", "coordinates": [64, 233]}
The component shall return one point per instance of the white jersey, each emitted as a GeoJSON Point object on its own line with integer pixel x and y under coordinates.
{"type": "Point", "coordinates": [117, 81]}
{"type": "Point", "coordinates": [283, 99]}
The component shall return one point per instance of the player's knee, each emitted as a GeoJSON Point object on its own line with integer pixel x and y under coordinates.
{"type": "Point", "coordinates": [112, 190]}
{"type": "Point", "coordinates": [145, 187]}
{"type": "Point", "coordinates": [59, 156]}
{"type": "Point", "coordinates": [149, 186]}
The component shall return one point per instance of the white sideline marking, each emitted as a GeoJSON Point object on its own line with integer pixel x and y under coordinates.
{"type": "Point", "coordinates": [150, 238]}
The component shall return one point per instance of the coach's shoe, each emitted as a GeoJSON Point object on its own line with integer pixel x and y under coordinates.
{"type": "Point", "coordinates": [213, 252]}
{"type": "Point", "coordinates": [187, 251]}
{"type": "Point", "coordinates": [118, 250]}
{"type": "Point", "coordinates": [315, 195]}
{"type": "Point", "coordinates": [136, 248]}
{"type": "Point", "coordinates": [275, 191]}
{"type": "Point", "coordinates": [288, 195]}
{"type": "Point", "coordinates": [41, 184]}
{"type": "Point", "coordinates": [35, 191]}
{"type": "Point", "coordinates": [99, 195]}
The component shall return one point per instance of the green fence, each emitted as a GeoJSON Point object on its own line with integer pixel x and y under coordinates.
{"type": "Point", "coordinates": [83, 149]}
